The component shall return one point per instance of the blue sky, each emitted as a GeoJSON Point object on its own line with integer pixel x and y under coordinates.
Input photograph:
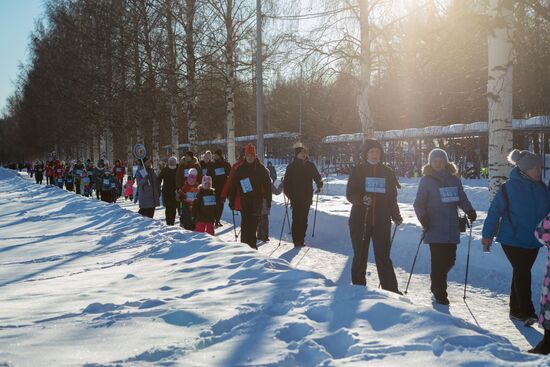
{"type": "Point", "coordinates": [17, 19]}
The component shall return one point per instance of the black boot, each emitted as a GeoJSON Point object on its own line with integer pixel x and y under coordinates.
{"type": "Point", "coordinates": [543, 347]}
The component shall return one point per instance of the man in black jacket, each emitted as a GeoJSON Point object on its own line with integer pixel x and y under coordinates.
{"type": "Point", "coordinates": [298, 186]}
{"type": "Point", "coordinates": [221, 172]}
{"type": "Point", "coordinates": [167, 179]}
{"type": "Point", "coordinates": [372, 189]}
{"type": "Point", "coordinates": [251, 180]}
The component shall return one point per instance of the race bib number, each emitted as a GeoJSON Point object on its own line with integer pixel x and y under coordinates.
{"type": "Point", "coordinates": [79, 172]}
{"type": "Point", "coordinates": [209, 200]}
{"type": "Point", "coordinates": [118, 170]}
{"type": "Point", "coordinates": [204, 171]}
{"type": "Point", "coordinates": [106, 182]}
{"type": "Point", "coordinates": [219, 171]}
{"type": "Point", "coordinates": [143, 173]}
{"type": "Point", "coordinates": [85, 180]}
{"type": "Point", "coordinates": [59, 181]}
{"type": "Point", "coordinates": [59, 171]}
{"type": "Point", "coordinates": [190, 196]}
{"type": "Point", "coordinates": [186, 172]}
{"type": "Point", "coordinates": [375, 185]}
{"type": "Point", "coordinates": [39, 170]}
{"type": "Point", "coordinates": [69, 180]}
{"type": "Point", "coordinates": [113, 185]}
{"type": "Point", "coordinates": [246, 186]}
{"type": "Point", "coordinates": [449, 194]}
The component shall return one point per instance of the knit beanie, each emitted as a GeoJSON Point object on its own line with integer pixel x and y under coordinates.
{"type": "Point", "coordinates": [368, 144]}
{"type": "Point", "coordinates": [437, 154]}
{"type": "Point", "coordinates": [193, 172]}
{"type": "Point", "coordinates": [172, 161]}
{"type": "Point", "coordinates": [523, 159]}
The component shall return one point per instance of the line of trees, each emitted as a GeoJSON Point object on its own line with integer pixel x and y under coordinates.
{"type": "Point", "coordinates": [104, 75]}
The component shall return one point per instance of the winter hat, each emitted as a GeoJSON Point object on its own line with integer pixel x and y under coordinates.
{"type": "Point", "coordinates": [368, 144]}
{"type": "Point", "coordinates": [106, 162]}
{"type": "Point", "coordinates": [207, 181]}
{"type": "Point", "coordinates": [438, 154]}
{"type": "Point", "coordinates": [250, 149]}
{"type": "Point", "coordinates": [172, 162]}
{"type": "Point", "coordinates": [190, 154]}
{"type": "Point", "coordinates": [298, 150]}
{"type": "Point", "coordinates": [524, 159]}
{"type": "Point", "coordinates": [193, 172]}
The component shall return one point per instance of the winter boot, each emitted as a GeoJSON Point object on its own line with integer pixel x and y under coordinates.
{"type": "Point", "coordinates": [543, 347]}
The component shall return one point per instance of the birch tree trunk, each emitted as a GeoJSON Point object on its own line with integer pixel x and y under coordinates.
{"type": "Point", "coordinates": [499, 92]}
{"type": "Point", "coordinates": [230, 82]}
{"type": "Point", "coordinates": [367, 125]}
{"type": "Point", "coordinates": [172, 79]}
{"type": "Point", "coordinates": [190, 98]}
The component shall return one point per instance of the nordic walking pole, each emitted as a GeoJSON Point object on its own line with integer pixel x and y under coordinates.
{"type": "Point", "coordinates": [286, 213]}
{"type": "Point", "coordinates": [468, 261]}
{"type": "Point", "coordinates": [284, 219]}
{"type": "Point", "coordinates": [315, 216]}
{"type": "Point", "coordinates": [234, 226]}
{"type": "Point", "coordinates": [393, 234]}
{"type": "Point", "coordinates": [414, 261]}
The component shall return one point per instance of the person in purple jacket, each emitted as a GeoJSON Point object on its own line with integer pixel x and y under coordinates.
{"type": "Point", "coordinates": [439, 195]}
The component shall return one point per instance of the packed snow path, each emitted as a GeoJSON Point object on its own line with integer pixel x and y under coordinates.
{"type": "Point", "coordinates": [88, 283]}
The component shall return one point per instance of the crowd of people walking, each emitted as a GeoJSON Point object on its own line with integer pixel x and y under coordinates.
{"type": "Point", "coordinates": [518, 217]}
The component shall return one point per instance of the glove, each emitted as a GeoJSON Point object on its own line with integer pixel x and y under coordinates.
{"type": "Point", "coordinates": [425, 222]}
{"type": "Point", "coordinates": [472, 215]}
{"type": "Point", "coordinates": [398, 220]}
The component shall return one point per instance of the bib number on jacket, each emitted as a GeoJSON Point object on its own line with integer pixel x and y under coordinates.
{"type": "Point", "coordinates": [186, 172]}
{"type": "Point", "coordinates": [85, 180]}
{"type": "Point", "coordinates": [106, 182]}
{"type": "Point", "coordinates": [205, 171]}
{"type": "Point", "coordinates": [219, 171]}
{"type": "Point", "coordinates": [375, 185]}
{"type": "Point", "coordinates": [209, 200]}
{"type": "Point", "coordinates": [449, 194]}
{"type": "Point", "coordinates": [190, 196]}
{"type": "Point", "coordinates": [246, 185]}
{"type": "Point", "coordinates": [79, 172]}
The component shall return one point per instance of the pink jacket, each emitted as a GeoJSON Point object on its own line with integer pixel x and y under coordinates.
{"type": "Point", "coordinates": [542, 233]}
{"type": "Point", "coordinates": [129, 188]}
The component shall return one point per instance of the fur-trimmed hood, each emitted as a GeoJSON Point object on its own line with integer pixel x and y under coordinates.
{"type": "Point", "coordinates": [450, 167]}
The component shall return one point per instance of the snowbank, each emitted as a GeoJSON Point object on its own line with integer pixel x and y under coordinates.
{"type": "Point", "coordinates": [86, 283]}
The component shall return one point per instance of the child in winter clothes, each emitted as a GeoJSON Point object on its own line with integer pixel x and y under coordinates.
{"type": "Point", "coordinates": [204, 207]}
{"type": "Point", "coordinates": [187, 195]}
{"type": "Point", "coordinates": [542, 233]}
{"type": "Point", "coordinates": [85, 184]}
{"type": "Point", "coordinates": [129, 188]}
{"type": "Point", "coordinates": [69, 181]}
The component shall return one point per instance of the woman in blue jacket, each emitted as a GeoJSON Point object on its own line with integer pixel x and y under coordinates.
{"type": "Point", "coordinates": [439, 195]}
{"type": "Point", "coordinates": [520, 204]}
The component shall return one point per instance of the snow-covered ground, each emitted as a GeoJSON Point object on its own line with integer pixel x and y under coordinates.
{"type": "Point", "coordinates": [88, 283]}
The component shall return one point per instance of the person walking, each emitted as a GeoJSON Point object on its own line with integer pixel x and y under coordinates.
{"type": "Point", "coordinates": [272, 171]}
{"type": "Point", "coordinates": [204, 207]}
{"type": "Point", "coordinates": [515, 211]}
{"type": "Point", "coordinates": [372, 191]}
{"type": "Point", "coordinates": [298, 186]}
{"type": "Point", "coordinates": [221, 170]}
{"type": "Point", "coordinates": [39, 172]}
{"type": "Point", "coordinates": [148, 188]}
{"type": "Point", "coordinates": [167, 180]}
{"type": "Point", "coordinates": [186, 195]}
{"type": "Point", "coordinates": [252, 183]}
{"type": "Point", "coordinates": [440, 194]}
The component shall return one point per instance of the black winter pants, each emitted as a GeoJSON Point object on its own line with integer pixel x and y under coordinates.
{"type": "Point", "coordinates": [522, 261]}
{"type": "Point", "coordinates": [443, 257]}
{"type": "Point", "coordinates": [170, 215]}
{"type": "Point", "coordinates": [249, 224]}
{"type": "Point", "coordinates": [219, 207]}
{"type": "Point", "coordinates": [185, 217]}
{"type": "Point", "coordinates": [147, 212]}
{"type": "Point", "coordinates": [300, 210]}
{"type": "Point", "coordinates": [380, 235]}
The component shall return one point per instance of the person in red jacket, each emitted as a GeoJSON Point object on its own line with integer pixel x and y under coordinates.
{"type": "Point", "coordinates": [119, 171]}
{"type": "Point", "coordinates": [58, 173]}
{"type": "Point", "coordinates": [187, 195]}
{"type": "Point", "coordinates": [227, 185]}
